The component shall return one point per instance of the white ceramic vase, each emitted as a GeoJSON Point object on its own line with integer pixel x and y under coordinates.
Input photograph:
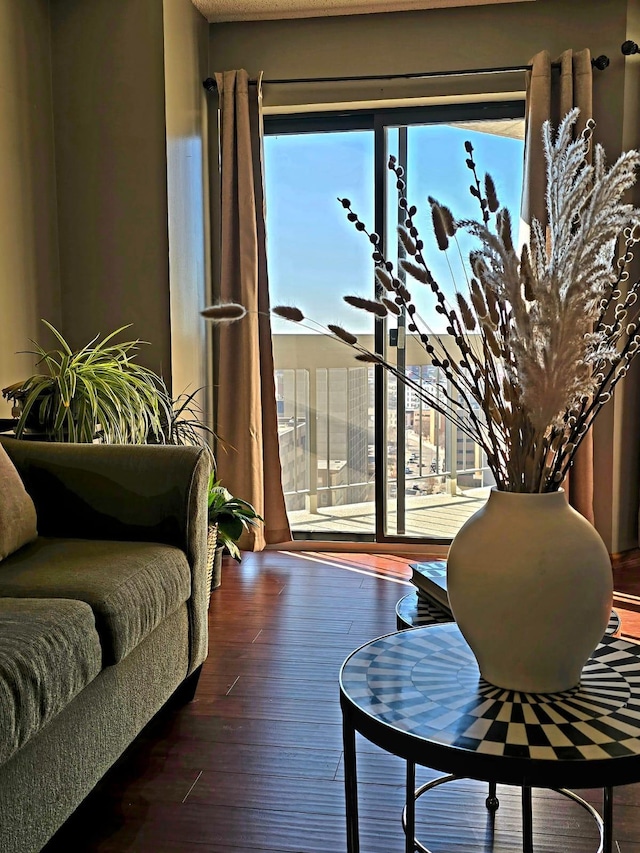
{"type": "Point", "coordinates": [530, 585]}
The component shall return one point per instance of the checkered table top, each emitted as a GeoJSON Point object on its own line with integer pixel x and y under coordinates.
{"type": "Point", "coordinates": [415, 610]}
{"type": "Point", "coordinates": [425, 683]}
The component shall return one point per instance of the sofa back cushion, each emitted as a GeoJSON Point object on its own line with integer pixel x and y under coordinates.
{"type": "Point", "coordinates": [17, 512]}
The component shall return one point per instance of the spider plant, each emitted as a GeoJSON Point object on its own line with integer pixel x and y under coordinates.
{"type": "Point", "coordinates": [95, 393]}
{"type": "Point", "coordinates": [181, 421]}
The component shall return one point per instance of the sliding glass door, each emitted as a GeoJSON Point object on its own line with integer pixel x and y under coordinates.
{"type": "Point", "coordinates": [362, 457]}
{"type": "Point", "coordinates": [325, 399]}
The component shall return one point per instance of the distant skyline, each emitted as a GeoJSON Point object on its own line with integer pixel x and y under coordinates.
{"type": "Point", "coordinates": [316, 256]}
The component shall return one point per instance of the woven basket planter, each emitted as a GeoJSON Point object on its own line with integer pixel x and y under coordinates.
{"type": "Point", "coordinates": [214, 558]}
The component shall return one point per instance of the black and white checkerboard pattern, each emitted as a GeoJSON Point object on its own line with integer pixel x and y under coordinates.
{"type": "Point", "coordinates": [415, 610]}
{"type": "Point", "coordinates": [426, 682]}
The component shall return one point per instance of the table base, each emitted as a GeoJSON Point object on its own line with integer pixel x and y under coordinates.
{"type": "Point", "coordinates": [492, 803]}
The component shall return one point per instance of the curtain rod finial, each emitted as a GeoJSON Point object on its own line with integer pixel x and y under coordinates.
{"type": "Point", "coordinates": [601, 62]}
{"type": "Point", "coordinates": [209, 84]}
{"type": "Point", "coordinates": [629, 47]}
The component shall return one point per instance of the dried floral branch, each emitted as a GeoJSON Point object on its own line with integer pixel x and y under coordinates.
{"type": "Point", "coordinates": [545, 360]}
{"type": "Point", "coordinates": [535, 348]}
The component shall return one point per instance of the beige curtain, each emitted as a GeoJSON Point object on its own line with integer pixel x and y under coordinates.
{"type": "Point", "coordinates": [551, 93]}
{"type": "Point", "coordinates": [246, 417]}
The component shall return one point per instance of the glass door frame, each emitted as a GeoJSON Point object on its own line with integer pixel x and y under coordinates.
{"type": "Point", "coordinates": [379, 121]}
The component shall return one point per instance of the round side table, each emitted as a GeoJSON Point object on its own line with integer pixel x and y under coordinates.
{"type": "Point", "coordinates": [418, 694]}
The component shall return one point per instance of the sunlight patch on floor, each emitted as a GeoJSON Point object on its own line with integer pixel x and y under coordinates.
{"type": "Point", "coordinates": [384, 572]}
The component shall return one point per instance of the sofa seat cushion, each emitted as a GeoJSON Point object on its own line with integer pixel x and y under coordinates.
{"type": "Point", "coordinates": [49, 651]}
{"type": "Point", "coordinates": [130, 586]}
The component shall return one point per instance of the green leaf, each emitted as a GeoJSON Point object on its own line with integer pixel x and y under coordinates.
{"type": "Point", "coordinates": [62, 341]}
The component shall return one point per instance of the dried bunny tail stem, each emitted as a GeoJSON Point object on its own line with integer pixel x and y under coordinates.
{"type": "Point", "coordinates": [492, 303]}
{"type": "Point", "coordinates": [225, 312]}
{"type": "Point", "coordinates": [369, 305]}
{"type": "Point", "coordinates": [491, 194]}
{"type": "Point", "coordinates": [341, 333]}
{"type": "Point", "coordinates": [466, 313]}
{"type": "Point", "coordinates": [384, 278]}
{"type": "Point", "coordinates": [403, 293]}
{"type": "Point", "coordinates": [477, 299]}
{"type": "Point", "coordinates": [439, 228]}
{"type": "Point", "coordinates": [370, 358]}
{"type": "Point", "coordinates": [449, 220]}
{"type": "Point", "coordinates": [407, 240]}
{"type": "Point", "coordinates": [422, 274]}
{"type": "Point", "coordinates": [391, 306]}
{"type": "Point", "coordinates": [504, 228]}
{"type": "Point", "coordinates": [491, 339]}
{"type": "Point", "coordinates": [445, 216]}
{"type": "Point", "coordinates": [288, 312]}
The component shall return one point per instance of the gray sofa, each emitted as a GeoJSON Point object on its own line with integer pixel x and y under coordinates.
{"type": "Point", "coordinates": [103, 617]}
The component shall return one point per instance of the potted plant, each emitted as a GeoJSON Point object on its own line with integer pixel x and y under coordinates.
{"type": "Point", "coordinates": [229, 517]}
{"type": "Point", "coordinates": [181, 421]}
{"type": "Point", "coordinates": [95, 393]}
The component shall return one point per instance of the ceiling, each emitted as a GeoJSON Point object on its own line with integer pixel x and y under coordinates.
{"type": "Point", "coordinates": [216, 11]}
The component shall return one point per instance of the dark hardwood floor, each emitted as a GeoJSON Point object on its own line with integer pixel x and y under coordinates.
{"type": "Point", "coordinates": [254, 763]}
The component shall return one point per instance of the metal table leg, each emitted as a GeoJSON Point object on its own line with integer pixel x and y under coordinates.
{"type": "Point", "coordinates": [527, 820]}
{"type": "Point", "coordinates": [350, 786]}
{"type": "Point", "coordinates": [492, 802]}
{"type": "Point", "coordinates": [410, 812]}
{"type": "Point", "coordinates": [607, 819]}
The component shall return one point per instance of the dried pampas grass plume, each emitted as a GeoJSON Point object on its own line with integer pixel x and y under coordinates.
{"type": "Point", "coordinates": [225, 312]}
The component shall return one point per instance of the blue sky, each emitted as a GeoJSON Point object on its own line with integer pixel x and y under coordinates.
{"type": "Point", "coordinates": [316, 256]}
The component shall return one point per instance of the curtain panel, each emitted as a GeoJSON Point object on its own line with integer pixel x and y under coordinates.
{"type": "Point", "coordinates": [248, 457]}
{"type": "Point", "coordinates": [550, 95]}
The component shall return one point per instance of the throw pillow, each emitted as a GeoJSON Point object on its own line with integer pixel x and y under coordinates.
{"type": "Point", "coordinates": [17, 512]}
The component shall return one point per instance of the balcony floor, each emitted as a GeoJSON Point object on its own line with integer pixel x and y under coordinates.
{"type": "Point", "coordinates": [438, 516]}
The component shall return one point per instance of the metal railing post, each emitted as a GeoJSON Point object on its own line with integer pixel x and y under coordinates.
{"type": "Point", "coordinates": [312, 433]}
{"type": "Point", "coordinates": [451, 449]}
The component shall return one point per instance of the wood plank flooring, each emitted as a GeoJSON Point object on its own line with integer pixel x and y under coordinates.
{"type": "Point", "coordinates": [254, 763]}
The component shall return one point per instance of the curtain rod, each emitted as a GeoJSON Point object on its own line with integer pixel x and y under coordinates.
{"type": "Point", "coordinates": [600, 62]}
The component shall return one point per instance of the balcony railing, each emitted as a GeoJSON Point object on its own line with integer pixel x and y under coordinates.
{"type": "Point", "coordinates": [326, 427]}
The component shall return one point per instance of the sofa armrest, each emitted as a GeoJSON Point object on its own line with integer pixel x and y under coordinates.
{"type": "Point", "coordinates": [124, 492]}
